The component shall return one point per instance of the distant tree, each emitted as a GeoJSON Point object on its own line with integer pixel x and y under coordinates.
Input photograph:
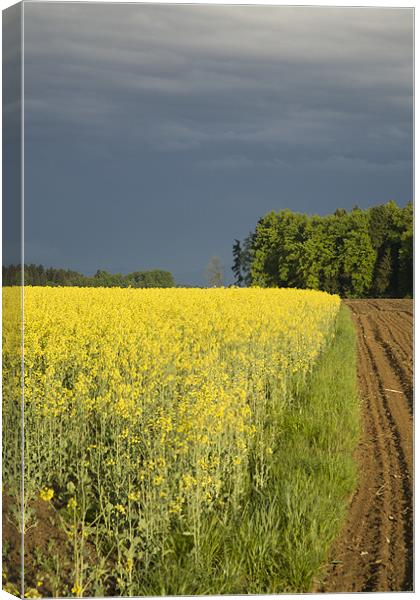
{"type": "Point", "coordinates": [334, 230]}
{"type": "Point", "coordinates": [354, 254]}
{"type": "Point", "coordinates": [294, 232]}
{"type": "Point", "coordinates": [340, 212]}
{"type": "Point", "coordinates": [358, 264]}
{"type": "Point", "coordinates": [42, 275]}
{"type": "Point", "coordinates": [266, 251]}
{"type": "Point", "coordinates": [383, 273]}
{"type": "Point", "coordinates": [405, 274]}
{"type": "Point", "coordinates": [215, 272]}
{"type": "Point", "coordinates": [39, 275]}
{"type": "Point", "coordinates": [278, 250]}
{"type": "Point", "coordinates": [405, 253]}
{"type": "Point", "coordinates": [237, 267]}
{"type": "Point", "coordinates": [387, 224]}
{"type": "Point", "coordinates": [312, 254]}
{"type": "Point", "coordinates": [12, 275]}
{"type": "Point", "coordinates": [154, 278]}
{"type": "Point", "coordinates": [247, 256]}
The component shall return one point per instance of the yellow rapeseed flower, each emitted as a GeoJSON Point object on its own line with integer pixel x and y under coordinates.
{"type": "Point", "coordinates": [157, 480]}
{"type": "Point", "coordinates": [76, 589]}
{"type": "Point", "coordinates": [46, 494]}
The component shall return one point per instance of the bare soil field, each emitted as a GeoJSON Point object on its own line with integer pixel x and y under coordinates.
{"type": "Point", "coordinates": [374, 551]}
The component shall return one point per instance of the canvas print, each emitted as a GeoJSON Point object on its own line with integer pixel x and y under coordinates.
{"type": "Point", "coordinates": [207, 299]}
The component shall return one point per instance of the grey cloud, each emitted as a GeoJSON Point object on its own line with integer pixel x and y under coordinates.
{"type": "Point", "coordinates": [240, 74]}
{"type": "Point", "coordinates": [227, 162]}
{"type": "Point", "coordinates": [334, 164]}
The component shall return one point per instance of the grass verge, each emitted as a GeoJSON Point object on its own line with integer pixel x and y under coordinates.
{"type": "Point", "coordinates": [315, 472]}
{"type": "Point", "coordinates": [281, 537]}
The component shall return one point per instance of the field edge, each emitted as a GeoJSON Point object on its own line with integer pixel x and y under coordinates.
{"type": "Point", "coordinates": [317, 468]}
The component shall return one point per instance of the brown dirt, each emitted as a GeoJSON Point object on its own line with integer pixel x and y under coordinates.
{"type": "Point", "coordinates": [43, 532]}
{"type": "Point", "coordinates": [374, 551]}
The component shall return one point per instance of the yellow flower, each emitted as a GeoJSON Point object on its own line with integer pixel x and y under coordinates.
{"type": "Point", "coordinates": [32, 593]}
{"type": "Point", "coordinates": [158, 480]}
{"type": "Point", "coordinates": [76, 589]}
{"type": "Point", "coordinates": [188, 481]}
{"type": "Point", "coordinates": [175, 508]}
{"type": "Point", "coordinates": [120, 508]}
{"type": "Point", "coordinates": [46, 494]}
{"type": "Point", "coordinates": [134, 496]}
{"type": "Point", "coordinates": [72, 503]}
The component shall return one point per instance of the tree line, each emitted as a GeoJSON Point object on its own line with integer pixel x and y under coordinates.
{"type": "Point", "coordinates": [356, 254]}
{"type": "Point", "coordinates": [40, 275]}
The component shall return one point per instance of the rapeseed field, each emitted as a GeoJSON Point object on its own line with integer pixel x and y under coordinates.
{"type": "Point", "coordinates": [150, 416]}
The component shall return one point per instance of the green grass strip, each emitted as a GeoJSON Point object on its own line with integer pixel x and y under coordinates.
{"type": "Point", "coordinates": [315, 469]}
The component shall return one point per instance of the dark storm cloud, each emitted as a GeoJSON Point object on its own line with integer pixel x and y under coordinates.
{"type": "Point", "coordinates": [190, 105]}
{"type": "Point", "coordinates": [12, 135]}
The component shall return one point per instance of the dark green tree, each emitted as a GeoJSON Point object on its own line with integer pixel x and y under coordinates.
{"type": "Point", "coordinates": [383, 273]}
{"type": "Point", "coordinates": [405, 253]}
{"type": "Point", "coordinates": [266, 251]}
{"type": "Point", "coordinates": [354, 254]}
{"type": "Point", "coordinates": [247, 255]}
{"type": "Point", "coordinates": [237, 267]}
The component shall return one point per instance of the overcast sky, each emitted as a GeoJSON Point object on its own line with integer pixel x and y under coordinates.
{"type": "Point", "coordinates": [156, 135]}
